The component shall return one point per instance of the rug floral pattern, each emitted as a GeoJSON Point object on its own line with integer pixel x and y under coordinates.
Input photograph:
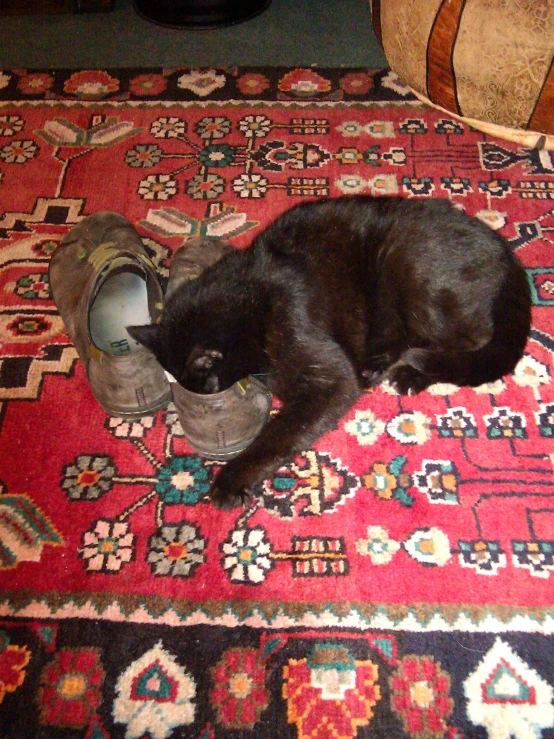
{"type": "Point", "coordinates": [394, 580]}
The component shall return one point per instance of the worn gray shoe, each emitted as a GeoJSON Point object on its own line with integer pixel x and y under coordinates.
{"type": "Point", "coordinates": [221, 425]}
{"type": "Point", "coordinates": [191, 259]}
{"type": "Point", "coordinates": [102, 280]}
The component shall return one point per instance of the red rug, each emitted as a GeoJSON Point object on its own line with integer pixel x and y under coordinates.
{"type": "Point", "coordinates": [397, 580]}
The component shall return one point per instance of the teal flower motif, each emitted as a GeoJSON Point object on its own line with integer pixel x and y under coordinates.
{"type": "Point", "coordinates": [217, 155]}
{"type": "Point", "coordinates": [184, 480]}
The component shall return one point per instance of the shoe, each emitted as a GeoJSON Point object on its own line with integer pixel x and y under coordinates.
{"type": "Point", "coordinates": [191, 259]}
{"type": "Point", "coordinates": [102, 281]}
{"type": "Point", "coordinates": [221, 425]}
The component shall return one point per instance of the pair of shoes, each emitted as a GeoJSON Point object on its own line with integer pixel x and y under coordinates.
{"type": "Point", "coordinates": [103, 281]}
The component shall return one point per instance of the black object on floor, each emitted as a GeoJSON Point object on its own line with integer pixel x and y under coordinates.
{"type": "Point", "coordinates": [199, 14]}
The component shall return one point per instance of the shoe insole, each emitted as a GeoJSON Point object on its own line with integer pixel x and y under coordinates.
{"type": "Point", "coordinates": [121, 301]}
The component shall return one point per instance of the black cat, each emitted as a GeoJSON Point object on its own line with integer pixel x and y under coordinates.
{"type": "Point", "coordinates": [340, 294]}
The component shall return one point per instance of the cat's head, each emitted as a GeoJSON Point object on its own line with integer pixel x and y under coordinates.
{"type": "Point", "coordinates": [197, 367]}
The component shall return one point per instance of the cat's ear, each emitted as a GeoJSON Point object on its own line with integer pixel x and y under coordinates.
{"type": "Point", "coordinates": [149, 336]}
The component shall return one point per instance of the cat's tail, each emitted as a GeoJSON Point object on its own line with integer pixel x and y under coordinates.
{"type": "Point", "coordinates": [499, 356]}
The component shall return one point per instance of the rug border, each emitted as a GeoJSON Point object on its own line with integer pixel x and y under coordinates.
{"type": "Point", "coordinates": [420, 617]}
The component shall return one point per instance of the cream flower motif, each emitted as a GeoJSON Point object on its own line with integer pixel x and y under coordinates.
{"type": "Point", "coordinates": [19, 152]}
{"type": "Point", "coordinates": [255, 126]}
{"type": "Point", "coordinates": [490, 388]}
{"type": "Point", "coordinates": [351, 184]}
{"type": "Point", "coordinates": [442, 388]}
{"type": "Point", "coordinates": [366, 427]}
{"type": "Point", "coordinates": [202, 83]}
{"type": "Point", "coordinates": [387, 388]}
{"type": "Point", "coordinates": [10, 125]}
{"type": "Point", "coordinates": [529, 372]}
{"type": "Point", "coordinates": [492, 218]}
{"type": "Point", "coordinates": [383, 184]}
{"type": "Point", "coordinates": [250, 186]}
{"type": "Point", "coordinates": [351, 128]}
{"type": "Point", "coordinates": [157, 187]}
{"type": "Point", "coordinates": [380, 129]}
{"type": "Point", "coordinates": [168, 127]}
{"type": "Point", "coordinates": [429, 547]}
{"type": "Point", "coordinates": [378, 546]}
{"type": "Point", "coordinates": [121, 428]}
{"type": "Point", "coordinates": [4, 80]}
{"type": "Point", "coordinates": [107, 546]}
{"type": "Point", "coordinates": [172, 421]}
{"type": "Point", "coordinates": [246, 557]}
{"type": "Point", "coordinates": [412, 427]}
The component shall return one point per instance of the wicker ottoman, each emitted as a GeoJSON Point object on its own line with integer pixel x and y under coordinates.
{"type": "Point", "coordinates": [488, 62]}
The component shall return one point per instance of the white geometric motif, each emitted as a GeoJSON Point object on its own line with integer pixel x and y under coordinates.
{"type": "Point", "coordinates": [155, 694]}
{"type": "Point", "coordinates": [508, 697]}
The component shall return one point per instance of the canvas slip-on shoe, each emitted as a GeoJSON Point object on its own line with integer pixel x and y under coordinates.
{"type": "Point", "coordinates": [221, 425]}
{"type": "Point", "coordinates": [102, 281]}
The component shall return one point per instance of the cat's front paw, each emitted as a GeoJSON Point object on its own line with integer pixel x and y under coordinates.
{"type": "Point", "coordinates": [407, 380]}
{"type": "Point", "coordinates": [227, 493]}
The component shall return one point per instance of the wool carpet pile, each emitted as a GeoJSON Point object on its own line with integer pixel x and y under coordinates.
{"type": "Point", "coordinates": [397, 579]}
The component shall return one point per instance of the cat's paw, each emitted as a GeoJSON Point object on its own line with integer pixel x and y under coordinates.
{"type": "Point", "coordinates": [407, 380]}
{"type": "Point", "coordinates": [227, 493]}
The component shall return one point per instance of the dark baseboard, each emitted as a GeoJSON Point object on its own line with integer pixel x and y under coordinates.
{"type": "Point", "coordinates": [199, 13]}
{"type": "Point", "coordinates": [32, 7]}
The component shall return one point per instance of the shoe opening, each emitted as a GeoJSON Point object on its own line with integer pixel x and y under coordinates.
{"type": "Point", "coordinates": [121, 301]}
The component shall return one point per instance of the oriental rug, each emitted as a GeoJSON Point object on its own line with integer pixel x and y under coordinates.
{"type": "Point", "coordinates": [397, 580]}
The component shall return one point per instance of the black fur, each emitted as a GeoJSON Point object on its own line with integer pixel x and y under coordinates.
{"type": "Point", "coordinates": [340, 294]}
